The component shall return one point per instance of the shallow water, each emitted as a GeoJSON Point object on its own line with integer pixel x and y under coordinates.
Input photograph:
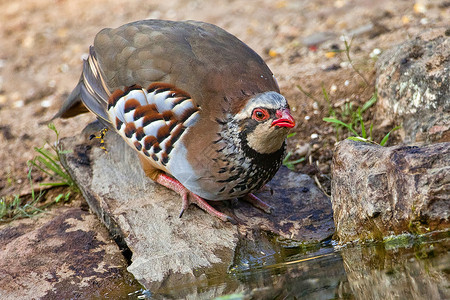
{"type": "Point", "coordinates": [403, 267]}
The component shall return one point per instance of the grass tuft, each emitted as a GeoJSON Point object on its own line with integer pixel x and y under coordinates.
{"type": "Point", "coordinates": [47, 161]}
{"type": "Point", "coordinates": [355, 119]}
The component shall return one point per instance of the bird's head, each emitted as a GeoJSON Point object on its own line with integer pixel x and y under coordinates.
{"type": "Point", "coordinates": [265, 122]}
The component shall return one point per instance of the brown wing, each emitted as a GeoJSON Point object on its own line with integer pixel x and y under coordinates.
{"type": "Point", "coordinates": [202, 59]}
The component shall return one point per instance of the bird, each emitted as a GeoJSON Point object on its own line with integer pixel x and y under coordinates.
{"type": "Point", "coordinates": [201, 108]}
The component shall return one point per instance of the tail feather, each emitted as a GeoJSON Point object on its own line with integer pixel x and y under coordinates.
{"type": "Point", "coordinates": [91, 93]}
{"type": "Point", "coordinates": [72, 106]}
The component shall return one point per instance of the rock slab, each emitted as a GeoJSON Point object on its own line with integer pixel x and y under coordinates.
{"type": "Point", "coordinates": [170, 251]}
{"type": "Point", "coordinates": [413, 85]}
{"type": "Point", "coordinates": [378, 191]}
{"type": "Point", "coordinates": [64, 254]}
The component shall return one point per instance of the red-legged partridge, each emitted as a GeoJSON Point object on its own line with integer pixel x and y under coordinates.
{"type": "Point", "coordinates": [200, 107]}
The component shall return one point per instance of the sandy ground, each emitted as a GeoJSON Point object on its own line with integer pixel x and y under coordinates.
{"type": "Point", "coordinates": [42, 43]}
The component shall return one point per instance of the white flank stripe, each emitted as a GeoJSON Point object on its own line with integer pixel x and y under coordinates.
{"type": "Point", "coordinates": [191, 120]}
{"type": "Point", "coordinates": [129, 116]}
{"type": "Point", "coordinates": [139, 95]}
{"type": "Point", "coordinates": [169, 101]}
{"type": "Point", "coordinates": [122, 130]}
{"type": "Point", "coordinates": [133, 138]}
{"type": "Point", "coordinates": [176, 127]}
{"type": "Point", "coordinates": [159, 100]}
{"type": "Point", "coordinates": [180, 108]}
{"type": "Point", "coordinates": [138, 123]}
{"type": "Point", "coordinates": [119, 108]}
{"type": "Point", "coordinates": [152, 128]}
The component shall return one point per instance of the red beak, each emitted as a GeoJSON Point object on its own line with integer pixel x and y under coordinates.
{"type": "Point", "coordinates": [284, 119]}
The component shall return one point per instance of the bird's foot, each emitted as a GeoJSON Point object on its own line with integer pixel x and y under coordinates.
{"type": "Point", "coordinates": [256, 202]}
{"type": "Point", "coordinates": [188, 197]}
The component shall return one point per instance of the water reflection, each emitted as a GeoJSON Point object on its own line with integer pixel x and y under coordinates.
{"type": "Point", "coordinates": [417, 271]}
{"type": "Point", "coordinates": [412, 270]}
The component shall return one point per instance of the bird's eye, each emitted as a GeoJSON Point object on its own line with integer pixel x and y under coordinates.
{"type": "Point", "coordinates": [260, 114]}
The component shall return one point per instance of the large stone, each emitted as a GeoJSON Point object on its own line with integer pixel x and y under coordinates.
{"type": "Point", "coordinates": [169, 251]}
{"type": "Point", "coordinates": [378, 191]}
{"type": "Point", "coordinates": [64, 254]}
{"type": "Point", "coordinates": [413, 85]}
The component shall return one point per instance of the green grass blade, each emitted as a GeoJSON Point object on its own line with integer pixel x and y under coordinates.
{"type": "Point", "coordinates": [51, 166]}
{"type": "Point", "coordinates": [363, 128]}
{"type": "Point", "coordinates": [336, 121]}
{"type": "Point", "coordinates": [325, 94]}
{"type": "Point", "coordinates": [291, 134]}
{"type": "Point", "coordinates": [370, 131]}
{"type": "Point", "coordinates": [288, 155]}
{"type": "Point", "coordinates": [32, 162]}
{"type": "Point", "coordinates": [62, 183]}
{"type": "Point", "coordinates": [370, 102]}
{"type": "Point", "coordinates": [297, 161]}
{"type": "Point", "coordinates": [386, 137]}
{"type": "Point", "coordinates": [358, 139]}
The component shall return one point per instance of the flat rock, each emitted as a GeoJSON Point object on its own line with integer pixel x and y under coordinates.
{"type": "Point", "coordinates": [64, 254]}
{"type": "Point", "coordinates": [379, 191]}
{"type": "Point", "coordinates": [171, 251]}
{"type": "Point", "coordinates": [413, 87]}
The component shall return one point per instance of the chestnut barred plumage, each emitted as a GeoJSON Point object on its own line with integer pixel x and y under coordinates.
{"type": "Point", "coordinates": [200, 107]}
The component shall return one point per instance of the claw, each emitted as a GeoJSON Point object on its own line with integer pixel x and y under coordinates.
{"type": "Point", "coordinates": [256, 202]}
{"type": "Point", "coordinates": [185, 203]}
{"type": "Point", "coordinates": [188, 197]}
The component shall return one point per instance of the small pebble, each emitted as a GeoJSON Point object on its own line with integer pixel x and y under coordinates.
{"type": "Point", "coordinates": [314, 136]}
{"type": "Point", "coordinates": [52, 83]}
{"type": "Point", "coordinates": [46, 103]}
{"type": "Point", "coordinates": [64, 68]}
{"type": "Point", "coordinates": [316, 105]}
{"type": "Point", "coordinates": [19, 103]}
{"type": "Point", "coordinates": [302, 150]}
{"type": "Point", "coordinates": [273, 53]}
{"type": "Point", "coordinates": [405, 20]}
{"type": "Point", "coordinates": [344, 64]}
{"type": "Point", "coordinates": [307, 118]}
{"type": "Point", "coordinates": [375, 52]}
{"type": "Point", "coordinates": [346, 83]}
{"type": "Point", "coordinates": [420, 8]}
{"type": "Point", "coordinates": [424, 21]}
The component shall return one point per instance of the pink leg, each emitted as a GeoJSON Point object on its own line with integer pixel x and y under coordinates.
{"type": "Point", "coordinates": [256, 202]}
{"type": "Point", "coordinates": [176, 186]}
